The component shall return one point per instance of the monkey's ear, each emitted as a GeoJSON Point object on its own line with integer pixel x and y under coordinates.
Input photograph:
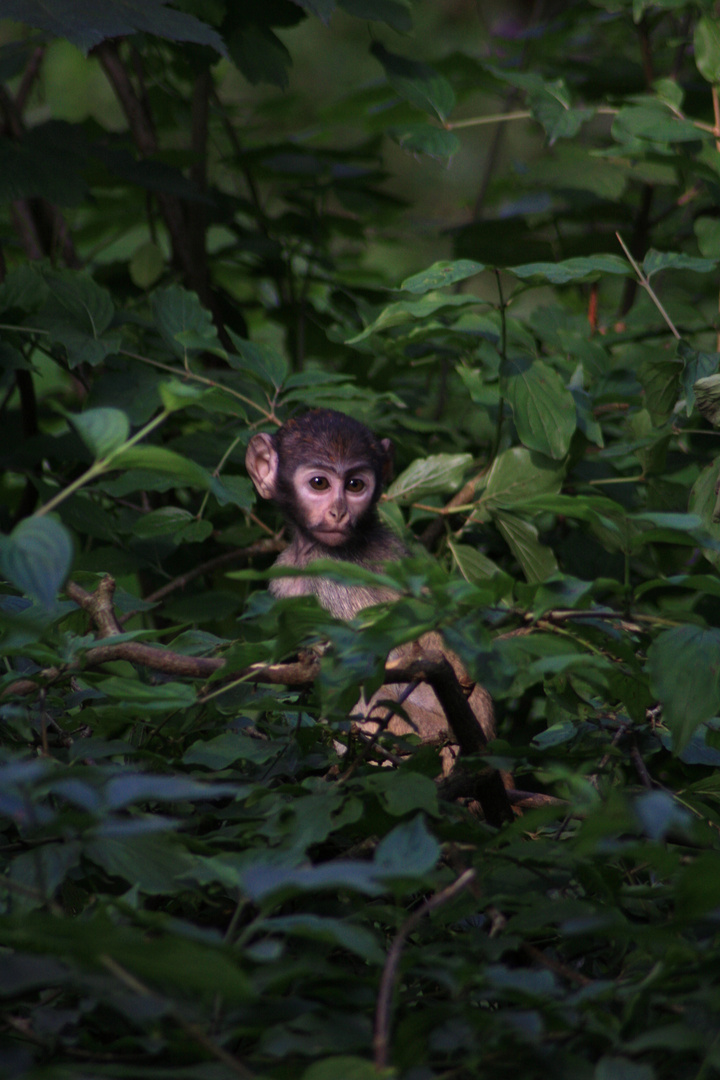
{"type": "Point", "coordinates": [388, 460]}
{"type": "Point", "coordinates": [261, 461]}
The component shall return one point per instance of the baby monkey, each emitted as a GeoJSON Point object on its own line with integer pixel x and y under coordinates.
{"type": "Point", "coordinates": [326, 471]}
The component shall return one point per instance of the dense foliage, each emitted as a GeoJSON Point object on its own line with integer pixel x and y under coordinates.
{"type": "Point", "coordinates": [498, 244]}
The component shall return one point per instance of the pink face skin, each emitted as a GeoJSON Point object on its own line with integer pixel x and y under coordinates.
{"type": "Point", "coordinates": [333, 498]}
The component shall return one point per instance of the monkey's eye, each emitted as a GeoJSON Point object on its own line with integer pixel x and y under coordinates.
{"type": "Point", "coordinates": [319, 483]}
{"type": "Point", "coordinates": [355, 485]}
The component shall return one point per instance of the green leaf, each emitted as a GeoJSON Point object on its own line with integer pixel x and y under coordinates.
{"type": "Point", "coordinates": [698, 366]}
{"type": "Point", "coordinates": [132, 693]}
{"type": "Point", "coordinates": [408, 851]}
{"type": "Point", "coordinates": [157, 459]}
{"type": "Point", "coordinates": [225, 749]}
{"type": "Point", "coordinates": [184, 324]}
{"type": "Point", "coordinates": [543, 409]}
{"type": "Point", "coordinates": [355, 939]}
{"type": "Point", "coordinates": [655, 261]}
{"type": "Point", "coordinates": [77, 314]}
{"type": "Point", "coordinates": [178, 395]}
{"type": "Point", "coordinates": [621, 1068]}
{"type": "Point", "coordinates": [441, 472]}
{"type": "Point", "coordinates": [36, 557]}
{"type": "Point", "coordinates": [261, 360]}
{"type": "Point", "coordinates": [661, 381]}
{"type": "Point", "coordinates": [473, 564]}
{"type": "Point", "coordinates": [707, 231]}
{"type": "Point", "coordinates": [518, 475]}
{"type": "Point", "coordinates": [349, 1068]}
{"type": "Point", "coordinates": [410, 310]}
{"type": "Point", "coordinates": [403, 792]}
{"type": "Point", "coordinates": [537, 560]}
{"type": "Point", "coordinates": [417, 83]}
{"type": "Point", "coordinates": [170, 521]}
{"type": "Point", "coordinates": [147, 265]}
{"type": "Point", "coordinates": [87, 25]}
{"type": "Point", "coordinates": [102, 430]}
{"type": "Point", "coordinates": [580, 268]}
{"type": "Point", "coordinates": [440, 274]}
{"type": "Point", "coordinates": [425, 139]}
{"type": "Point", "coordinates": [396, 13]}
{"type": "Point", "coordinates": [654, 122]}
{"type": "Point", "coordinates": [684, 666]}
{"type": "Point", "coordinates": [260, 55]}
{"type": "Point", "coordinates": [706, 42]}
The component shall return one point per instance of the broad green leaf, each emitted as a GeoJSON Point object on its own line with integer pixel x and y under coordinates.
{"type": "Point", "coordinates": [323, 9]}
{"type": "Point", "coordinates": [543, 409]}
{"type": "Point", "coordinates": [698, 367]}
{"type": "Point", "coordinates": [426, 139]}
{"type": "Point", "coordinates": [77, 314]}
{"type": "Point", "coordinates": [401, 793]}
{"type": "Point", "coordinates": [440, 472]}
{"type": "Point", "coordinates": [655, 261]}
{"type": "Point", "coordinates": [43, 870]}
{"type": "Point", "coordinates": [194, 969]}
{"type": "Point", "coordinates": [131, 788]}
{"type": "Point", "coordinates": [236, 490]}
{"type": "Point", "coordinates": [157, 459]}
{"type": "Point", "coordinates": [178, 395]}
{"type": "Point", "coordinates": [654, 122]}
{"type": "Point", "coordinates": [417, 83]}
{"type": "Point", "coordinates": [337, 932]}
{"type": "Point", "coordinates": [707, 231]}
{"type": "Point", "coordinates": [349, 1068]}
{"type": "Point", "coordinates": [705, 502]}
{"type": "Point", "coordinates": [223, 750]}
{"type": "Point", "coordinates": [261, 360]}
{"type": "Point", "coordinates": [410, 310]}
{"type": "Point", "coordinates": [440, 274]}
{"type": "Point", "coordinates": [102, 430]}
{"type": "Point", "coordinates": [154, 863]}
{"type": "Point", "coordinates": [622, 1068]}
{"type": "Point", "coordinates": [408, 851]}
{"type": "Point", "coordinates": [147, 265]}
{"type": "Point", "coordinates": [132, 693]}
{"type": "Point", "coordinates": [684, 666]}
{"type": "Point", "coordinates": [260, 54]}
{"type": "Point", "coordinates": [707, 48]}
{"type": "Point", "coordinates": [184, 324]}
{"type": "Point", "coordinates": [537, 560]}
{"type": "Point", "coordinates": [172, 521]}
{"type": "Point", "coordinates": [661, 381]}
{"type": "Point", "coordinates": [36, 557]}
{"type": "Point", "coordinates": [580, 268]}
{"type": "Point", "coordinates": [518, 475]}
{"type": "Point", "coordinates": [472, 564]}
{"type": "Point", "coordinates": [87, 25]}
{"type": "Point", "coordinates": [396, 13]}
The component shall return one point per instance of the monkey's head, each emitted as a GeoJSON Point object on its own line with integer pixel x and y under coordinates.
{"type": "Point", "coordinates": [325, 470]}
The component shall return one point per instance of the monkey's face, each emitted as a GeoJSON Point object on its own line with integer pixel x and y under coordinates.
{"type": "Point", "coordinates": [331, 500]}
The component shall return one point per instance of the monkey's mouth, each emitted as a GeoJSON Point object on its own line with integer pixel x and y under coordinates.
{"type": "Point", "coordinates": [331, 537]}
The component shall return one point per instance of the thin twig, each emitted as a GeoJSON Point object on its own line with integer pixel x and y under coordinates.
{"type": "Point", "coordinates": [383, 1009]}
{"type": "Point", "coordinates": [193, 1030]}
{"type": "Point", "coordinates": [647, 286]}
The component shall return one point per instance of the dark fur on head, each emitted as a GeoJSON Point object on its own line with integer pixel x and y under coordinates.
{"type": "Point", "coordinates": [326, 436]}
{"type": "Point", "coordinates": [342, 438]}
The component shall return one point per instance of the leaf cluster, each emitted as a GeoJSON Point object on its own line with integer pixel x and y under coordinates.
{"type": "Point", "coordinates": [206, 872]}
